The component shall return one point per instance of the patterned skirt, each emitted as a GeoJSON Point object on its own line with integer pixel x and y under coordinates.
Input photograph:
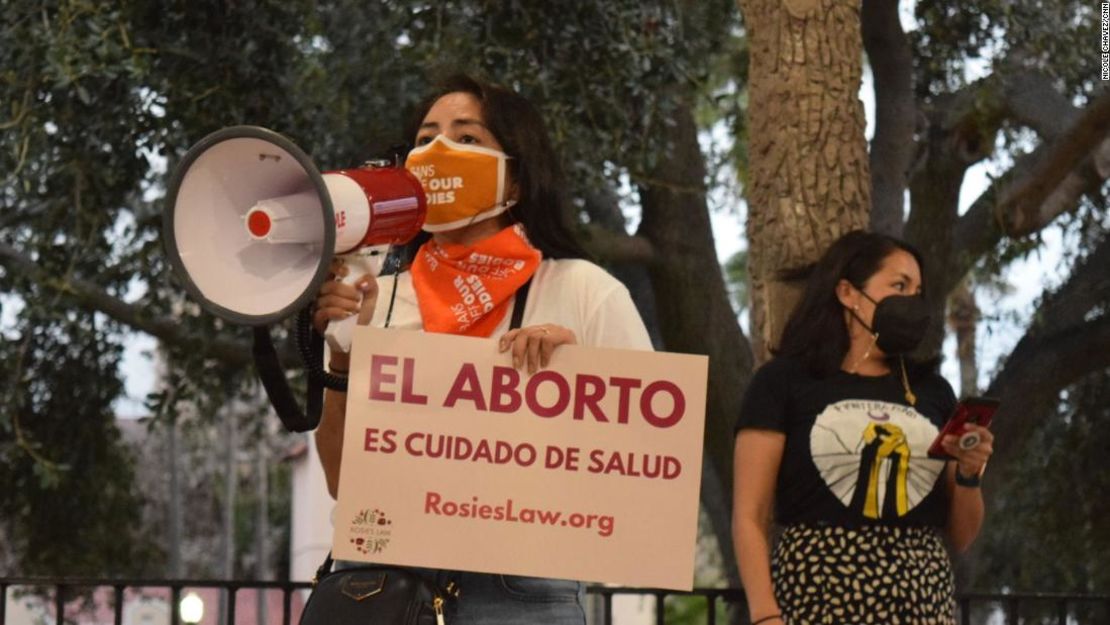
{"type": "Point", "coordinates": [870, 575]}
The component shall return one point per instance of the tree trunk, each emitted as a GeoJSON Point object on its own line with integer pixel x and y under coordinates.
{"type": "Point", "coordinates": [603, 208]}
{"type": "Point", "coordinates": [693, 309]}
{"type": "Point", "coordinates": [963, 318]}
{"type": "Point", "coordinates": [891, 58]}
{"type": "Point", "coordinates": [810, 179]}
{"type": "Point", "coordinates": [935, 196]}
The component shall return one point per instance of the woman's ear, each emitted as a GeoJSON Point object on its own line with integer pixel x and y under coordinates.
{"type": "Point", "coordinates": [847, 294]}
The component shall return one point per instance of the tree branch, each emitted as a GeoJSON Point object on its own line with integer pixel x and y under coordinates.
{"type": "Point", "coordinates": [1087, 179]}
{"type": "Point", "coordinates": [1031, 100]}
{"type": "Point", "coordinates": [1036, 372]}
{"type": "Point", "coordinates": [978, 230]}
{"type": "Point", "coordinates": [1086, 287]}
{"type": "Point", "coordinates": [1019, 210]}
{"type": "Point", "coordinates": [90, 296]}
{"type": "Point", "coordinates": [1029, 387]}
{"type": "Point", "coordinates": [608, 246]}
{"type": "Point", "coordinates": [1061, 345]}
{"type": "Point", "coordinates": [892, 148]}
{"type": "Point", "coordinates": [961, 132]}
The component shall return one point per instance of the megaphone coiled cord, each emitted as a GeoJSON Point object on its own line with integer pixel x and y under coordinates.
{"type": "Point", "coordinates": [310, 345]}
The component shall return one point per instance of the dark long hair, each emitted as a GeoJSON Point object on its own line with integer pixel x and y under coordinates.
{"type": "Point", "coordinates": [816, 332]}
{"type": "Point", "coordinates": [519, 128]}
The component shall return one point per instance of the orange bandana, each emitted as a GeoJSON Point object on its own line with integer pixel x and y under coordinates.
{"type": "Point", "coordinates": [468, 289]}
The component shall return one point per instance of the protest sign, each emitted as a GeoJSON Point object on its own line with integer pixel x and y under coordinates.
{"type": "Point", "coordinates": [589, 469]}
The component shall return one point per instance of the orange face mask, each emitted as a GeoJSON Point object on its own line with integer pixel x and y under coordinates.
{"type": "Point", "coordinates": [464, 184]}
{"type": "Point", "coordinates": [468, 289]}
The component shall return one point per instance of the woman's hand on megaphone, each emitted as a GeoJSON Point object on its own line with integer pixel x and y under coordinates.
{"type": "Point", "coordinates": [338, 300]}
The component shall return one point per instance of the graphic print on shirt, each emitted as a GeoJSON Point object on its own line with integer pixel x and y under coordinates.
{"type": "Point", "coordinates": [872, 456]}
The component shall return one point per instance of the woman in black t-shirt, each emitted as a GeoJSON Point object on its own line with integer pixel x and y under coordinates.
{"type": "Point", "coordinates": [831, 443]}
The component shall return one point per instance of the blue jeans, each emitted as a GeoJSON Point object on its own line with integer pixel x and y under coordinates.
{"type": "Point", "coordinates": [491, 599]}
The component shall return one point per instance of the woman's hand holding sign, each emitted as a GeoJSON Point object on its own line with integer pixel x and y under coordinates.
{"type": "Point", "coordinates": [533, 345]}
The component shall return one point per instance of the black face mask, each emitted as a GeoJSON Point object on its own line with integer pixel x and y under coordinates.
{"type": "Point", "coordinates": [900, 322]}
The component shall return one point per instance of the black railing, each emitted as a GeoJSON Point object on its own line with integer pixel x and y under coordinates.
{"type": "Point", "coordinates": [713, 598]}
{"type": "Point", "coordinates": [1056, 608]}
{"type": "Point", "coordinates": [1013, 608]}
{"type": "Point", "coordinates": [63, 590]}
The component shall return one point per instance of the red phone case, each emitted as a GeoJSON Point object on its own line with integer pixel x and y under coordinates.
{"type": "Point", "coordinates": [975, 410]}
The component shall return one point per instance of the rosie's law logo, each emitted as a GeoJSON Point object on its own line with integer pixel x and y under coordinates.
{"type": "Point", "coordinates": [370, 531]}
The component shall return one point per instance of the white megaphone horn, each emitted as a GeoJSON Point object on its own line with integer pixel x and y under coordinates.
{"type": "Point", "coordinates": [251, 225]}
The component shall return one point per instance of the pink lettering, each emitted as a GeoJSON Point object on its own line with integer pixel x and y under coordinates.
{"type": "Point", "coordinates": [407, 395]}
{"type": "Point", "coordinates": [561, 400]}
{"type": "Point", "coordinates": [503, 394]}
{"type": "Point", "coordinates": [378, 377]}
{"type": "Point", "coordinates": [379, 441]}
{"type": "Point", "coordinates": [584, 398]}
{"type": "Point", "coordinates": [648, 410]}
{"type": "Point", "coordinates": [466, 386]}
{"type": "Point", "coordinates": [625, 385]}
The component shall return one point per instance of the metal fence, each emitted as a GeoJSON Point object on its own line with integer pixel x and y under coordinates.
{"type": "Point", "coordinates": [69, 601]}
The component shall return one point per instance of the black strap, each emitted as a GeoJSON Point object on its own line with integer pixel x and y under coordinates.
{"type": "Point", "coordinates": [392, 299]}
{"type": "Point", "coordinates": [277, 387]}
{"type": "Point", "coordinates": [324, 569]}
{"type": "Point", "coordinates": [518, 305]}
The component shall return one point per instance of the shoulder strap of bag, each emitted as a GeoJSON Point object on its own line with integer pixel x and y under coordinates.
{"type": "Point", "coordinates": [324, 569]}
{"type": "Point", "coordinates": [518, 305]}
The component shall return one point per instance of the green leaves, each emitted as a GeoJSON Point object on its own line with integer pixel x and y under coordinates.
{"type": "Point", "coordinates": [1064, 463]}
{"type": "Point", "coordinates": [957, 42]}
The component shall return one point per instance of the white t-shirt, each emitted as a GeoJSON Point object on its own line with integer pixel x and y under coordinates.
{"type": "Point", "coordinates": [572, 293]}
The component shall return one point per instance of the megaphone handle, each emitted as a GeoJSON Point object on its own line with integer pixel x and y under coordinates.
{"type": "Point", "coordinates": [362, 261]}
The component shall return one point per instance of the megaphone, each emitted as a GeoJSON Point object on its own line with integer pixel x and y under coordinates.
{"type": "Point", "coordinates": [251, 225]}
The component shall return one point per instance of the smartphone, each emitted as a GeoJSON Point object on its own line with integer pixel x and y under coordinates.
{"type": "Point", "coordinates": [974, 410]}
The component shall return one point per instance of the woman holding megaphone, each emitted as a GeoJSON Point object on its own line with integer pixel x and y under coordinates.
{"type": "Point", "coordinates": [497, 252]}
